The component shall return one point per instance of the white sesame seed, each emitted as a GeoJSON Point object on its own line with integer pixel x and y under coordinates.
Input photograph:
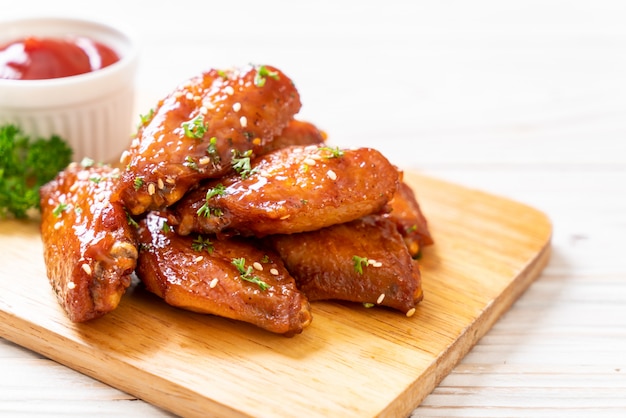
{"type": "Point", "coordinates": [315, 157]}
{"type": "Point", "coordinates": [309, 161]}
{"type": "Point", "coordinates": [58, 225]}
{"type": "Point", "coordinates": [374, 263]}
{"type": "Point", "coordinates": [243, 121]}
{"type": "Point", "coordinates": [160, 184]}
{"type": "Point", "coordinates": [86, 268]}
{"type": "Point", "coordinates": [331, 175]}
{"type": "Point", "coordinates": [151, 189]}
{"type": "Point", "coordinates": [282, 218]}
{"type": "Point", "coordinates": [204, 160]}
{"type": "Point", "coordinates": [197, 98]}
{"type": "Point", "coordinates": [274, 272]}
{"type": "Point", "coordinates": [74, 187]}
{"type": "Point", "coordinates": [71, 285]}
{"type": "Point", "coordinates": [178, 94]}
{"type": "Point", "coordinates": [170, 180]}
{"type": "Point", "coordinates": [237, 107]}
{"type": "Point", "coordinates": [198, 259]}
{"type": "Point", "coordinates": [410, 312]}
{"type": "Point", "coordinates": [204, 110]}
{"type": "Point", "coordinates": [213, 283]}
{"type": "Point", "coordinates": [229, 90]}
{"type": "Point", "coordinates": [380, 298]}
{"type": "Point", "coordinates": [189, 96]}
{"type": "Point", "coordinates": [124, 157]}
{"type": "Point", "coordinates": [257, 266]}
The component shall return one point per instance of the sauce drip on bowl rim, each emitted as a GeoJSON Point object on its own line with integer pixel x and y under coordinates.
{"type": "Point", "coordinates": [40, 58]}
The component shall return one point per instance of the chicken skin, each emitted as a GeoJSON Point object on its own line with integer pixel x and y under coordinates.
{"type": "Point", "coordinates": [411, 222]}
{"type": "Point", "coordinates": [232, 278]}
{"type": "Point", "coordinates": [197, 130]}
{"type": "Point", "coordinates": [290, 190]}
{"type": "Point", "coordinates": [89, 247]}
{"type": "Point", "coordinates": [297, 132]}
{"type": "Point", "coordinates": [365, 261]}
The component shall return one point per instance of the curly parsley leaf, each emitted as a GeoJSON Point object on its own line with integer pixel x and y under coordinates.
{"type": "Point", "coordinates": [25, 166]}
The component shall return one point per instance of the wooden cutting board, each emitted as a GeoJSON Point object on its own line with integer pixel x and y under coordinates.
{"type": "Point", "coordinates": [351, 361]}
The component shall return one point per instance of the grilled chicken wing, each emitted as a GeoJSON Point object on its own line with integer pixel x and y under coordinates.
{"type": "Point", "coordinates": [232, 278]}
{"type": "Point", "coordinates": [195, 132]}
{"type": "Point", "coordinates": [408, 217]}
{"type": "Point", "coordinates": [365, 261]}
{"type": "Point", "coordinates": [291, 190]}
{"type": "Point", "coordinates": [297, 132]}
{"type": "Point", "coordinates": [89, 248]}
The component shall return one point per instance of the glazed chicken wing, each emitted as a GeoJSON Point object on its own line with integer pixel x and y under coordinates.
{"type": "Point", "coordinates": [360, 261]}
{"type": "Point", "coordinates": [408, 217]}
{"type": "Point", "coordinates": [89, 248]}
{"type": "Point", "coordinates": [195, 132]}
{"type": "Point", "coordinates": [291, 190]}
{"type": "Point", "coordinates": [297, 132]}
{"type": "Point", "coordinates": [233, 278]}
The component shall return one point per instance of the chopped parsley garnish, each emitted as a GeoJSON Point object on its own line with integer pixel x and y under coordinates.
{"type": "Point", "coordinates": [241, 163]}
{"type": "Point", "coordinates": [212, 150]}
{"type": "Point", "coordinates": [200, 244]}
{"type": "Point", "coordinates": [59, 209]}
{"type": "Point", "coordinates": [165, 227]}
{"type": "Point", "coordinates": [206, 210]}
{"type": "Point", "coordinates": [138, 183]}
{"type": "Point", "coordinates": [359, 262]}
{"type": "Point", "coordinates": [222, 74]}
{"type": "Point", "coordinates": [131, 221]}
{"type": "Point", "coordinates": [195, 128]}
{"type": "Point", "coordinates": [266, 259]}
{"type": "Point", "coordinates": [334, 152]}
{"type": "Point", "coordinates": [146, 118]}
{"type": "Point", "coordinates": [246, 273]}
{"type": "Point", "coordinates": [261, 76]}
{"type": "Point", "coordinates": [189, 162]}
{"type": "Point", "coordinates": [95, 179]}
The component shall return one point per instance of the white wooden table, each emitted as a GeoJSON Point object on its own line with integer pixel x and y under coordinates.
{"type": "Point", "coordinates": [525, 99]}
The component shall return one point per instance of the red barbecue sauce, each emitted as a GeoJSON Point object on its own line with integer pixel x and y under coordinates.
{"type": "Point", "coordinates": [35, 58]}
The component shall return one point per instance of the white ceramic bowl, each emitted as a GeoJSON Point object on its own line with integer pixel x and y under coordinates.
{"type": "Point", "coordinates": [93, 112]}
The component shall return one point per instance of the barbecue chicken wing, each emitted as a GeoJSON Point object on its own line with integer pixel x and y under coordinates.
{"type": "Point", "coordinates": [196, 131]}
{"type": "Point", "coordinates": [291, 190]}
{"type": "Point", "coordinates": [89, 248]}
{"type": "Point", "coordinates": [365, 261]}
{"type": "Point", "coordinates": [233, 278]}
{"type": "Point", "coordinates": [411, 223]}
{"type": "Point", "coordinates": [297, 133]}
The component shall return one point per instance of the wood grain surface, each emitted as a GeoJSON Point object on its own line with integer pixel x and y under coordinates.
{"type": "Point", "coordinates": [352, 361]}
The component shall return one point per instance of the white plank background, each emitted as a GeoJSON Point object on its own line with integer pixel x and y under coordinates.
{"type": "Point", "coordinates": [525, 99]}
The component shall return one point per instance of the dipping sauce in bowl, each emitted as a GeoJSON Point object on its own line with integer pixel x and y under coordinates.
{"type": "Point", "coordinates": [41, 92]}
{"type": "Point", "coordinates": [37, 58]}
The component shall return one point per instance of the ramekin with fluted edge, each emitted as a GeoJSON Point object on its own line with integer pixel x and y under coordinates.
{"type": "Point", "coordinates": [93, 112]}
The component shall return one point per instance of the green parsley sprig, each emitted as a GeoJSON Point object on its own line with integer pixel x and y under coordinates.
{"type": "Point", "coordinates": [25, 166]}
{"type": "Point", "coordinates": [359, 263]}
{"type": "Point", "coordinates": [246, 273]}
{"type": "Point", "coordinates": [261, 76]}
{"type": "Point", "coordinates": [241, 163]}
{"type": "Point", "coordinates": [195, 128]}
{"type": "Point", "coordinates": [206, 210]}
